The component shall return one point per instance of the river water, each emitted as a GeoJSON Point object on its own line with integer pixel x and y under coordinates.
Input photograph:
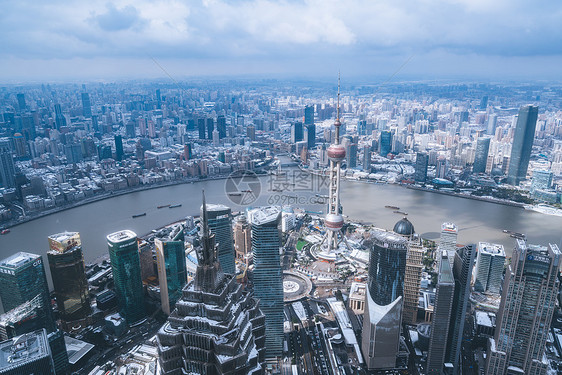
{"type": "Point", "coordinates": [476, 220]}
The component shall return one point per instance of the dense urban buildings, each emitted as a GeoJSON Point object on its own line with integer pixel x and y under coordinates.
{"type": "Point", "coordinates": [126, 269]}
{"type": "Point", "coordinates": [530, 290]}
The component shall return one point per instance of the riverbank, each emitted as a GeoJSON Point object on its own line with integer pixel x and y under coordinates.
{"type": "Point", "coordinates": [101, 197]}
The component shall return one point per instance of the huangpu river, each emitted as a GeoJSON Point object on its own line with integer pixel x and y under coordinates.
{"type": "Point", "coordinates": [365, 202]}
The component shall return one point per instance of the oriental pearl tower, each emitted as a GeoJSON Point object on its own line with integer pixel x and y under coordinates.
{"type": "Point", "coordinates": [334, 219]}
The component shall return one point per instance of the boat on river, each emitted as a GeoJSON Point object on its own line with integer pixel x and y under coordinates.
{"type": "Point", "coordinates": [139, 215]}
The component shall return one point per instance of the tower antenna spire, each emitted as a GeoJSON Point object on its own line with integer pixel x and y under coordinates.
{"type": "Point", "coordinates": [337, 124]}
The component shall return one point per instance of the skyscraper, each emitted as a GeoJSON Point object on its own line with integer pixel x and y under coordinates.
{"type": "Point", "coordinates": [522, 144]}
{"type": "Point", "coordinates": [481, 158]}
{"type": "Point", "coordinates": [86, 106]}
{"type": "Point", "coordinates": [216, 327]}
{"type": "Point", "coordinates": [366, 164]}
{"type": "Point", "coordinates": [118, 147]}
{"type": "Point", "coordinates": [125, 264]}
{"type": "Point", "coordinates": [527, 305]}
{"type": "Point", "coordinates": [296, 132]}
{"type": "Point", "coordinates": [21, 102]}
{"type": "Point", "coordinates": [172, 272]}
{"type": "Point", "coordinates": [383, 300]}
{"type": "Point", "coordinates": [448, 239]}
{"type": "Point", "coordinates": [420, 174]}
{"type": "Point", "coordinates": [66, 263]}
{"type": "Point", "coordinates": [462, 272]}
{"type": "Point", "coordinates": [267, 275]}
{"type": "Point", "coordinates": [441, 316]}
{"type": "Point", "coordinates": [221, 126]}
{"type": "Point", "coordinates": [210, 127]}
{"type": "Point", "coordinates": [242, 238]}
{"type": "Point", "coordinates": [489, 267]}
{"type": "Point", "coordinates": [310, 127]}
{"type": "Point", "coordinates": [385, 143]}
{"type": "Point", "coordinates": [220, 224]}
{"type": "Point", "coordinates": [27, 354]}
{"type": "Point", "coordinates": [7, 167]}
{"type": "Point", "coordinates": [60, 120]}
{"type": "Point", "coordinates": [201, 128]}
{"type": "Point", "coordinates": [492, 122]}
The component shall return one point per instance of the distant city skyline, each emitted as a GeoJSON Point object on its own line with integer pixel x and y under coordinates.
{"type": "Point", "coordinates": [130, 40]}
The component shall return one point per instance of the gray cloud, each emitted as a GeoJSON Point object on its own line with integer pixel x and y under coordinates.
{"type": "Point", "coordinates": [297, 35]}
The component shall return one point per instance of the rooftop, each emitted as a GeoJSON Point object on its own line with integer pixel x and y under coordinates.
{"type": "Point", "coordinates": [491, 248]}
{"type": "Point", "coordinates": [121, 236]}
{"type": "Point", "coordinates": [263, 215]}
{"type": "Point", "coordinates": [76, 349]}
{"type": "Point", "coordinates": [23, 349]}
{"type": "Point", "coordinates": [18, 260]}
{"type": "Point", "coordinates": [449, 227]}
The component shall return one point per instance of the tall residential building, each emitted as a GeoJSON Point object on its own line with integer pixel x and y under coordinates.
{"type": "Point", "coordinates": [7, 167]}
{"type": "Point", "coordinates": [170, 259]}
{"type": "Point", "coordinates": [523, 321]}
{"type": "Point", "coordinates": [448, 239]}
{"type": "Point", "coordinates": [217, 326]}
{"type": "Point", "coordinates": [220, 224]}
{"type": "Point", "coordinates": [420, 172]}
{"type": "Point", "coordinates": [366, 164]}
{"type": "Point", "coordinates": [412, 280]}
{"type": "Point", "coordinates": [267, 275]}
{"type": "Point", "coordinates": [27, 354]}
{"type": "Point", "coordinates": [462, 272]}
{"type": "Point", "coordinates": [489, 268]}
{"type": "Point", "coordinates": [522, 144]}
{"type": "Point", "coordinates": [481, 157]}
{"type": "Point", "coordinates": [442, 310]}
{"type": "Point", "coordinates": [492, 122]}
{"type": "Point", "coordinates": [86, 105]}
{"type": "Point", "coordinates": [383, 300]}
{"type": "Point", "coordinates": [66, 263]}
{"type": "Point", "coordinates": [242, 239]}
{"type": "Point", "coordinates": [125, 264]}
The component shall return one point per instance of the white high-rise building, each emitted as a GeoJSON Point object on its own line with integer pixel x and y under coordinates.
{"type": "Point", "coordinates": [489, 268]}
{"type": "Point", "coordinates": [448, 240]}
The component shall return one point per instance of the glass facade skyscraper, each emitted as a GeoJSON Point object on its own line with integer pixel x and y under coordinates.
{"type": "Point", "coordinates": [220, 224]}
{"type": "Point", "coordinates": [523, 321]}
{"type": "Point", "coordinates": [267, 276]}
{"type": "Point", "coordinates": [441, 316]}
{"type": "Point", "coordinates": [385, 143]}
{"type": "Point", "coordinates": [66, 263]}
{"type": "Point", "coordinates": [7, 167]}
{"type": "Point", "coordinates": [27, 354]}
{"type": "Point", "coordinates": [387, 266]}
{"type": "Point", "coordinates": [125, 264]}
{"type": "Point", "coordinates": [489, 267]}
{"type": "Point", "coordinates": [172, 272]}
{"type": "Point", "coordinates": [422, 160]}
{"type": "Point", "coordinates": [522, 144]}
{"type": "Point", "coordinates": [481, 157]}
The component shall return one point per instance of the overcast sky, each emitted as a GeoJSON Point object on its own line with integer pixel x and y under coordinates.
{"type": "Point", "coordinates": [370, 39]}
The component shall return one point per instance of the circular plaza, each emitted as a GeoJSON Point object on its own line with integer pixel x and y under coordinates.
{"type": "Point", "coordinates": [295, 286]}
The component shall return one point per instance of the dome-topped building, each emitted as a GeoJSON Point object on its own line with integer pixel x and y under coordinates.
{"type": "Point", "coordinates": [404, 228]}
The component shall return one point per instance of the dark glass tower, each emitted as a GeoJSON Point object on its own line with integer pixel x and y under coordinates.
{"type": "Point", "coordinates": [267, 276]}
{"type": "Point", "coordinates": [172, 273]}
{"type": "Point", "coordinates": [296, 132]}
{"type": "Point", "coordinates": [60, 120]}
{"type": "Point", "coordinates": [66, 263]}
{"type": "Point", "coordinates": [7, 167]}
{"type": "Point", "coordinates": [422, 160]}
{"type": "Point", "coordinates": [118, 147]}
{"type": "Point", "coordinates": [462, 272]}
{"type": "Point", "coordinates": [23, 280]}
{"type": "Point", "coordinates": [441, 316]}
{"type": "Point", "coordinates": [220, 224]}
{"type": "Point", "coordinates": [125, 264]}
{"type": "Point", "coordinates": [201, 128]}
{"type": "Point", "coordinates": [210, 127]}
{"type": "Point", "coordinates": [310, 127]}
{"type": "Point", "coordinates": [481, 157]}
{"type": "Point", "coordinates": [221, 126]}
{"type": "Point", "coordinates": [528, 301]}
{"type": "Point", "coordinates": [385, 143]}
{"type": "Point", "coordinates": [217, 326]}
{"type": "Point", "coordinates": [387, 265]}
{"type": "Point", "coordinates": [522, 144]}
{"type": "Point", "coordinates": [86, 106]}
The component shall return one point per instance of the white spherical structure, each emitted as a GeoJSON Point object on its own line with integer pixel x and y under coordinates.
{"type": "Point", "coordinates": [336, 153]}
{"type": "Point", "coordinates": [333, 222]}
